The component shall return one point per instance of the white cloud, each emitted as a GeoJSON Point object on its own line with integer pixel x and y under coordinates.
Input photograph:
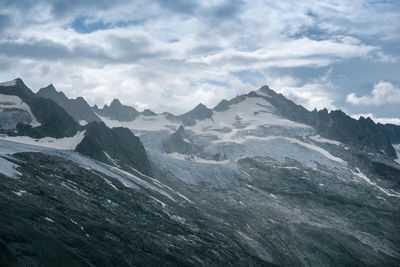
{"type": "Point", "coordinates": [318, 93]}
{"type": "Point", "coordinates": [171, 61]}
{"type": "Point", "coordinates": [383, 93]}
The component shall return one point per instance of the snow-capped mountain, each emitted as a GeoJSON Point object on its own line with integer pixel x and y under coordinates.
{"type": "Point", "coordinates": [255, 181]}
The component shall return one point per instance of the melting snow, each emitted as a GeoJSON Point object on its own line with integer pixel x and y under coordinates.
{"type": "Point", "coordinates": [48, 219]}
{"type": "Point", "coordinates": [110, 183]}
{"type": "Point", "coordinates": [247, 115]}
{"type": "Point", "coordinates": [7, 168]}
{"type": "Point", "coordinates": [389, 192]}
{"type": "Point", "coordinates": [82, 122]}
{"type": "Point", "coordinates": [193, 158]}
{"type": "Point", "coordinates": [143, 123]}
{"type": "Point", "coordinates": [113, 161]}
{"type": "Point", "coordinates": [143, 183]}
{"type": "Point", "coordinates": [261, 93]}
{"type": "Point", "coordinates": [66, 143]}
{"type": "Point", "coordinates": [320, 139]}
{"type": "Point", "coordinates": [20, 192]}
{"type": "Point", "coordinates": [397, 149]}
{"type": "Point", "coordinates": [159, 201]}
{"type": "Point", "coordinates": [14, 102]}
{"type": "Point", "coordinates": [291, 140]}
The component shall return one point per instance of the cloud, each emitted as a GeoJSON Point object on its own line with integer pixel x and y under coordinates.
{"type": "Point", "coordinates": [383, 93]}
{"type": "Point", "coordinates": [185, 52]}
{"type": "Point", "coordinates": [318, 93]}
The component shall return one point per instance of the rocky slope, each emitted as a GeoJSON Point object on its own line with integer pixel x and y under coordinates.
{"type": "Point", "coordinates": [338, 126]}
{"type": "Point", "coordinates": [52, 120]}
{"type": "Point", "coordinates": [255, 181]}
{"type": "Point", "coordinates": [116, 146]}
{"type": "Point", "coordinates": [117, 111]}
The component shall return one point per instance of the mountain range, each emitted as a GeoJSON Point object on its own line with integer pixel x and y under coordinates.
{"type": "Point", "coordinates": [256, 180]}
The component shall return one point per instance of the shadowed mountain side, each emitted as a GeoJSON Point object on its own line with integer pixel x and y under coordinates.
{"type": "Point", "coordinates": [54, 120]}
{"type": "Point", "coordinates": [116, 146]}
{"type": "Point", "coordinates": [78, 108]}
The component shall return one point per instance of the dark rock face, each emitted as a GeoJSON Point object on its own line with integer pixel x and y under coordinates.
{"type": "Point", "coordinates": [55, 121]}
{"type": "Point", "coordinates": [148, 112]}
{"type": "Point", "coordinates": [200, 112]}
{"type": "Point", "coordinates": [116, 146]}
{"type": "Point", "coordinates": [78, 108]}
{"type": "Point", "coordinates": [179, 142]}
{"type": "Point", "coordinates": [117, 111]}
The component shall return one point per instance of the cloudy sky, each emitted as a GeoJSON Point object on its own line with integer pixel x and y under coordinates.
{"type": "Point", "coordinates": [169, 55]}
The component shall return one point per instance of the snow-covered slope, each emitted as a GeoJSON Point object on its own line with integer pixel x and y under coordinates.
{"type": "Point", "coordinates": [13, 111]}
{"type": "Point", "coordinates": [249, 128]}
{"type": "Point", "coordinates": [66, 143]}
{"type": "Point", "coordinates": [144, 123]}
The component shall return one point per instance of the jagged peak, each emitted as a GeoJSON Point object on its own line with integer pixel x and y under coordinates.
{"type": "Point", "coordinates": [115, 102]}
{"type": "Point", "coordinates": [201, 106]}
{"type": "Point", "coordinates": [49, 88]}
{"type": "Point", "coordinates": [180, 129]}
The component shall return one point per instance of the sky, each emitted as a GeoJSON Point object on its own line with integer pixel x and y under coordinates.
{"type": "Point", "coordinates": [170, 55]}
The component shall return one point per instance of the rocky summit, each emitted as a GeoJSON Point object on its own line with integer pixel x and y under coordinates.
{"type": "Point", "coordinates": [255, 181]}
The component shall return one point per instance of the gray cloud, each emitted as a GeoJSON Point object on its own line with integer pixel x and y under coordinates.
{"type": "Point", "coordinates": [191, 51]}
{"type": "Point", "coordinates": [48, 50]}
{"type": "Point", "coordinates": [180, 6]}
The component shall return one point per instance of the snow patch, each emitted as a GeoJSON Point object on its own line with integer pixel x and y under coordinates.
{"type": "Point", "coordinates": [143, 123]}
{"type": "Point", "coordinates": [397, 149]}
{"type": "Point", "coordinates": [319, 139]}
{"type": "Point", "coordinates": [110, 183]}
{"type": "Point", "coordinates": [14, 102]}
{"type": "Point", "coordinates": [7, 168]}
{"type": "Point", "coordinates": [390, 192]}
{"type": "Point", "coordinates": [113, 161]}
{"type": "Point", "coordinates": [291, 140]}
{"type": "Point", "coordinates": [194, 158]}
{"type": "Point", "coordinates": [249, 114]}
{"type": "Point", "coordinates": [66, 143]}
{"type": "Point", "coordinates": [143, 183]}
{"type": "Point", "coordinates": [261, 93]}
{"type": "Point", "coordinates": [20, 192]}
{"type": "Point", "coordinates": [82, 123]}
{"type": "Point", "coordinates": [159, 201]}
{"type": "Point", "coordinates": [48, 219]}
